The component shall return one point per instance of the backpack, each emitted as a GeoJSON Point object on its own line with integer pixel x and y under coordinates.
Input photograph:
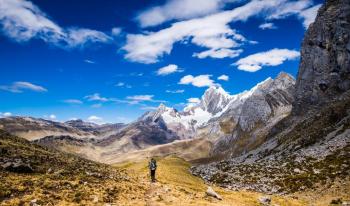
{"type": "Point", "coordinates": [153, 165]}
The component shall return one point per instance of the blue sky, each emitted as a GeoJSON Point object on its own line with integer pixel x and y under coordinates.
{"type": "Point", "coordinates": [110, 61]}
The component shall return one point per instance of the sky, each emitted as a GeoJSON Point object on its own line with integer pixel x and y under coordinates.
{"type": "Point", "coordinates": [111, 61]}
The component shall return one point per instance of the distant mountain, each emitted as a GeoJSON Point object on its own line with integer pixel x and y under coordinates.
{"type": "Point", "coordinates": [98, 130]}
{"type": "Point", "coordinates": [36, 128]}
{"type": "Point", "coordinates": [220, 118]}
{"type": "Point", "coordinates": [226, 119]}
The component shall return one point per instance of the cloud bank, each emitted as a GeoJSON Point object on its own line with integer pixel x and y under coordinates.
{"type": "Point", "coordinates": [178, 10]}
{"type": "Point", "coordinates": [171, 68]}
{"type": "Point", "coordinates": [212, 32]}
{"type": "Point", "coordinates": [19, 87]}
{"type": "Point", "coordinates": [22, 21]}
{"type": "Point", "coordinates": [274, 57]}
{"type": "Point", "coordinates": [197, 81]}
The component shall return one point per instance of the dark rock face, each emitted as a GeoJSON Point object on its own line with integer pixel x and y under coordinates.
{"type": "Point", "coordinates": [324, 72]}
{"type": "Point", "coordinates": [17, 166]}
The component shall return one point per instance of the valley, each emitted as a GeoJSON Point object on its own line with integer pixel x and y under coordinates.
{"type": "Point", "coordinates": [65, 179]}
{"type": "Point", "coordinates": [283, 142]}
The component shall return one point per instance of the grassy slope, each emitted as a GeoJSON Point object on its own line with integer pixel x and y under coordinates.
{"type": "Point", "coordinates": [176, 186]}
{"type": "Point", "coordinates": [73, 180]}
{"type": "Point", "coordinates": [187, 149]}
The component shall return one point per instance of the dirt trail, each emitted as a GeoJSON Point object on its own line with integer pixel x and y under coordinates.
{"type": "Point", "coordinates": [176, 186]}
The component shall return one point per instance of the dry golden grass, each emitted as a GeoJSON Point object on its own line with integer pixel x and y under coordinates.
{"type": "Point", "coordinates": [176, 186]}
{"type": "Point", "coordinates": [60, 178]}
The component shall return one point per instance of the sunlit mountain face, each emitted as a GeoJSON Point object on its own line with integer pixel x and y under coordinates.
{"type": "Point", "coordinates": [113, 61]}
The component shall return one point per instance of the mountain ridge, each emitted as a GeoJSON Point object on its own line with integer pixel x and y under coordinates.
{"type": "Point", "coordinates": [206, 119]}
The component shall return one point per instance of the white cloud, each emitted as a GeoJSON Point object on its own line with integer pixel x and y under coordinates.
{"type": "Point", "coordinates": [120, 84]}
{"type": "Point", "coordinates": [309, 15]}
{"type": "Point", "coordinates": [193, 100]}
{"type": "Point", "coordinates": [73, 101]}
{"type": "Point", "coordinates": [116, 31]}
{"type": "Point", "coordinates": [179, 9]}
{"type": "Point", "coordinates": [223, 77]}
{"type": "Point", "coordinates": [95, 119]}
{"type": "Point", "coordinates": [140, 98]}
{"type": "Point", "coordinates": [50, 117]}
{"type": "Point", "coordinates": [96, 97]}
{"type": "Point", "coordinates": [302, 9]}
{"type": "Point", "coordinates": [267, 25]}
{"type": "Point", "coordinates": [288, 8]}
{"type": "Point", "coordinates": [81, 37]}
{"type": "Point", "coordinates": [22, 21]}
{"type": "Point", "coordinates": [197, 81]}
{"type": "Point", "coordinates": [179, 91]}
{"type": "Point", "coordinates": [18, 87]}
{"type": "Point", "coordinates": [6, 114]}
{"type": "Point", "coordinates": [136, 99]}
{"type": "Point", "coordinates": [274, 57]}
{"type": "Point", "coordinates": [123, 84]}
{"type": "Point", "coordinates": [212, 32]}
{"type": "Point", "coordinates": [218, 53]}
{"type": "Point", "coordinates": [171, 68]}
{"type": "Point", "coordinates": [89, 61]}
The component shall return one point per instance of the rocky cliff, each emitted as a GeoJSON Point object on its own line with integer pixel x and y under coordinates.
{"type": "Point", "coordinates": [308, 150]}
{"type": "Point", "coordinates": [324, 73]}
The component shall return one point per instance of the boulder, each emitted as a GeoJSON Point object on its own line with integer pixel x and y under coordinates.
{"type": "Point", "coordinates": [17, 166]}
{"type": "Point", "coordinates": [265, 200]}
{"type": "Point", "coordinates": [212, 193]}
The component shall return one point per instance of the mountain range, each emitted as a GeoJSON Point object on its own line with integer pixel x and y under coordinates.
{"type": "Point", "coordinates": [218, 119]}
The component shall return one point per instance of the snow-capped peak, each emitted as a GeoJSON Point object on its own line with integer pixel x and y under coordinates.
{"type": "Point", "coordinates": [214, 99]}
{"type": "Point", "coordinates": [214, 103]}
{"type": "Point", "coordinates": [215, 89]}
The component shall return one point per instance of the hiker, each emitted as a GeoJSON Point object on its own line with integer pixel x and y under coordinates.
{"type": "Point", "coordinates": [152, 167]}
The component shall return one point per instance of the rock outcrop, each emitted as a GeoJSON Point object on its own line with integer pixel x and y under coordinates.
{"type": "Point", "coordinates": [17, 166]}
{"type": "Point", "coordinates": [324, 73]}
{"type": "Point", "coordinates": [210, 192]}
